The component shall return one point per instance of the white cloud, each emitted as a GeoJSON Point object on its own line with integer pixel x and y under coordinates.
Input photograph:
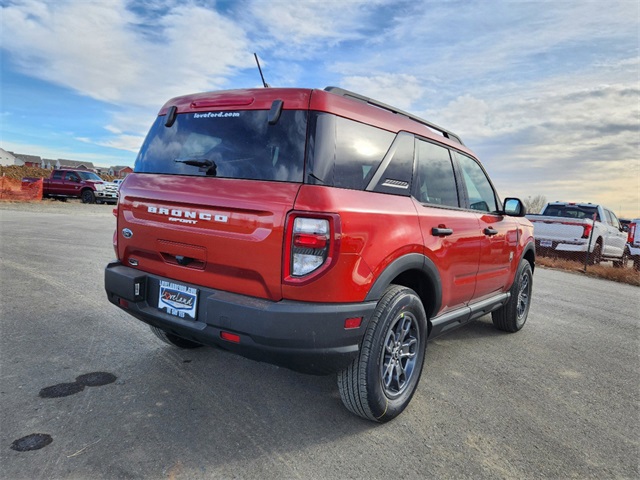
{"type": "Point", "coordinates": [100, 50]}
{"type": "Point", "coordinates": [396, 89]}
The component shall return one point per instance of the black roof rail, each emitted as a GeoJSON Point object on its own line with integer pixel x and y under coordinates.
{"type": "Point", "coordinates": [356, 96]}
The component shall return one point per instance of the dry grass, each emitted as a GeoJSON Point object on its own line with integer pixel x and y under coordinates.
{"type": "Point", "coordinates": [604, 270]}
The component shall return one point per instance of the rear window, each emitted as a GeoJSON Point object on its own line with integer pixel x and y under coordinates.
{"type": "Point", "coordinates": [232, 144]}
{"type": "Point", "coordinates": [344, 153]}
{"type": "Point", "coordinates": [572, 211]}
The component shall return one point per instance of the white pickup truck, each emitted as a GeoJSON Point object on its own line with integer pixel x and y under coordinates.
{"type": "Point", "coordinates": [572, 229]}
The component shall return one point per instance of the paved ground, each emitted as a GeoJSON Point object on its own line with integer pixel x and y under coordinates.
{"type": "Point", "coordinates": [560, 399]}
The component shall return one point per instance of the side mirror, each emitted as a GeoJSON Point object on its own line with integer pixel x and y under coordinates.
{"type": "Point", "coordinates": [514, 207]}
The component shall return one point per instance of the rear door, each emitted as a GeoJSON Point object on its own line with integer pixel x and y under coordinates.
{"type": "Point", "coordinates": [616, 238]}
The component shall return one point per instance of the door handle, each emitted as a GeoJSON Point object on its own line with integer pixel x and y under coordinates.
{"type": "Point", "coordinates": [490, 231]}
{"type": "Point", "coordinates": [441, 232]}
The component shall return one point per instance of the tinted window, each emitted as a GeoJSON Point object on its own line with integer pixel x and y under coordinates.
{"type": "Point", "coordinates": [344, 153]}
{"type": "Point", "coordinates": [613, 220]}
{"type": "Point", "coordinates": [481, 194]}
{"type": "Point", "coordinates": [57, 175]}
{"type": "Point", "coordinates": [435, 182]}
{"type": "Point", "coordinates": [571, 211]}
{"type": "Point", "coordinates": [227, 144]}
{"type": "Point", "coordinates": [70, 176]}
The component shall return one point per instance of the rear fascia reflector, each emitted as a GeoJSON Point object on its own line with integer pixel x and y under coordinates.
{"type": "Point", "coordinates": [123, 303]}
{"type": "Point", "coordinates": [351, 323]}
{"type": "Point", "coordinates": [230, 337]}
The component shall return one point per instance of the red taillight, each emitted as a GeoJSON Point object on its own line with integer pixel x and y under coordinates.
{"type": "Point", "coordinates": [311, 245]}
{"type": "Point", "coordinates": [587, 230]}
{"type": "Point", "coordinates": [632, 232]}
{"type": "Point", "coordinates": [309, 241]}
{"type": "Point", "coordinates": [230, 337]}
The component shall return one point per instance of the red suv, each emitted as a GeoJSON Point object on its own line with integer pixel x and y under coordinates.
{"type": "Point", "coordinates": [320, 230]}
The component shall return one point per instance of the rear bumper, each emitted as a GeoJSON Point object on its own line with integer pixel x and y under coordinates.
{"type": "Point", "coordinates": [307, 337]}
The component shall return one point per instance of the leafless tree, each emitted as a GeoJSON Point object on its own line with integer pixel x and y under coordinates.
{"type": "Point", "coordinates": [535, 204]}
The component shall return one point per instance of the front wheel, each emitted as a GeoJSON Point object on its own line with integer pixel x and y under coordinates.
{"type": "Point", "coordinates": [88, 196]}
{"type": "Point", "coordinates": [622, 263]}
{"type": "Point", "coordinates": [381, 381]}
{"type": "Point", "coordinates": [512, 316]}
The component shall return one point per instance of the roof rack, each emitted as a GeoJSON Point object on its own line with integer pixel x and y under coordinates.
{"type": "Point", "coordinates": [346, 93]}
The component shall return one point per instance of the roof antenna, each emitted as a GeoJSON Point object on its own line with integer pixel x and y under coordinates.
{"type": "Point", "coordinates": [266, 85]}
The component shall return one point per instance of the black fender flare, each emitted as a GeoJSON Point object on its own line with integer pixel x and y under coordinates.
{"type": "Point", "coordinates": [411, 261]}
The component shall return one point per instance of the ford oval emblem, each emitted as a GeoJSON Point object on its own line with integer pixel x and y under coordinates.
{"type": "Point", "coordinates": [126, 233]}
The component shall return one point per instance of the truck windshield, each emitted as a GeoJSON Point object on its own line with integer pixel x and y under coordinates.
{"type": "Point", "coordinates": [89, 176]}
{"type": "Point", "coordinates": [232, 144]}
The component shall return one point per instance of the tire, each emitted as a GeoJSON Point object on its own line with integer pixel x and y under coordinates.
{"type": "Point", "coordinates": [512, 316]}
{"type": "Point", "coordinates": [596, 256]}
{"type": "Point", "coordinates": [623, 262]}
{"type": "Point", "coordinates": [87, 196]}
{"type": "Point", "coordinates": [381, 381]}
{"type": "Point", "coordinates": [174, 340]}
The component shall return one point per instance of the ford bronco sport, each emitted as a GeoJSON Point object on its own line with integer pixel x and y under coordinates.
{"type": "Point", "coordinates": [320, 230]}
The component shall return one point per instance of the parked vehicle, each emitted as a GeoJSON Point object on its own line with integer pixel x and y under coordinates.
{"type": "Point", "coordinates": [573, 229]}
{"type": "Point", "coordinates": [316, 229]}
{"type": "Point", "coordinates": [68, 183]}
{"type": "Point", "coordinates": [633, 242]}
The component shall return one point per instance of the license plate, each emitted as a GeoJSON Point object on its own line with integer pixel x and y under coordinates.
{"type": "Point", "coordinates": [178, 300]}
{"type": "Point", "coordinates": [546, 243]}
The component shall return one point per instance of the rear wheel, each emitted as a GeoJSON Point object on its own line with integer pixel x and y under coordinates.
{"type": "Point", "coordinates": [512, 316]}
{"type": "Point", "coordinates": [174, 340]}
{"type": "Point", "coordinates": [87, 196]}
{"type": "Point", "coordinates": [381, 381]}
{"type": "Point", "coordinates": [596, 256]}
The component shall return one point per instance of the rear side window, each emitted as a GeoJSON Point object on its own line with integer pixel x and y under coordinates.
{"type": "Point", "coordinates": [344, 153]}
{"type": "Point", "coordinates": [435, 181]}
{"type": "Point", "coordinates": [233, 144]}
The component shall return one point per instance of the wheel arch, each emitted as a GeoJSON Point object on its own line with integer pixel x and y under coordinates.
{"type": "Point", "coordinates": [414, 271]}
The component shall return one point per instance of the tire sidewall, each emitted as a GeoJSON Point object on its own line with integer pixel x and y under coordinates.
{"type": "Point", "coordinates": [382, 406]}
{"type": "Point", "coordinates": [524, 269]}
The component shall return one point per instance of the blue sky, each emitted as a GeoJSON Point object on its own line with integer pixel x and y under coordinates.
{"type": "Point", "coordinates": [547, 94]}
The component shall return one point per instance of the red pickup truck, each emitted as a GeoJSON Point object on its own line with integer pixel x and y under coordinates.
{"type": "Point", "coordinates": [82, 184]}
{"type": "Point", "coordinates": [316, 229]}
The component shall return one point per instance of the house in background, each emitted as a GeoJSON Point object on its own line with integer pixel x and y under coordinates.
{"type": "Point", "coordinates": [120, 171]}
{"type": "Point", "coordinates": [26, 160]}
{"type": "Point", "coordinates": [75, 164]}
{"type": "Point", "coordinates": [7, 158]}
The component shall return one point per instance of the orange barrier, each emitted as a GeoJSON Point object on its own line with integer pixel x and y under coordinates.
{"type": "Point", "coordinates": [16, 191]}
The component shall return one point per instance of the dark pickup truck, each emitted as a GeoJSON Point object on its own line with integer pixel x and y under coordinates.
{"type": "Point", "coordinates": [82, 184]}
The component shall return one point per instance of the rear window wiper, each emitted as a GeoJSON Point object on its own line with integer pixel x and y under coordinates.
{"type": "Point", "coordinates": [196, 163]}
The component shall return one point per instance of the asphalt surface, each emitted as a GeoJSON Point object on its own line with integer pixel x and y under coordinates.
{"type": "Point", "coordinates": [560, 399]}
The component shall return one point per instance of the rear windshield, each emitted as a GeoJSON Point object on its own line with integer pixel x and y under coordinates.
{"type": "Point", "coordinates": [232, 144]}
{"type": "Point", "coordinates": [572, 211]}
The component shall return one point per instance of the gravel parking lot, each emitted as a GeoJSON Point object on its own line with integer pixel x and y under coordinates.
{"type": "Point", "coordinates": [560, 399]}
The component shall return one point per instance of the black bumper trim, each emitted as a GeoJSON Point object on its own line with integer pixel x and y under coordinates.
{"type": "Point", "coordinates": [308, 337]}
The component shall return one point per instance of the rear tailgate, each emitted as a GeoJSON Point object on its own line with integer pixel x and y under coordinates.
{"type": "Point", "coordinates": [559, 229]}
{"type": "Point", "coordinates": [224, 234]}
